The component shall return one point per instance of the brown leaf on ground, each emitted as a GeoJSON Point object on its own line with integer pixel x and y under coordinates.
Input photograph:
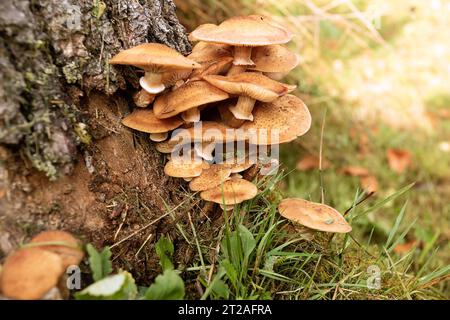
{"type": "Point", "coordinates": [399, 160]}
{"type": "Point", "coordinates": [403, 248]}
{"type": "Point", "coordinates": [310, 162]}
{"type": "Point", "coordinates": [369, 183]}
{"type": "Point", "coordinates": [355, 171]}
{"type": "Point", "coordinates": [363, 145]}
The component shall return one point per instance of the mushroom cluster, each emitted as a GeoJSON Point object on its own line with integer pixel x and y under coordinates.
{"type": "Point", "coordinates": [214, 111]}
{"type": "Point", "coordinates": [37, 270]}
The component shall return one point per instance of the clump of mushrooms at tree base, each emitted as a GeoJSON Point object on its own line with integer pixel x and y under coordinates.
{"type": "Point", "coordinates": [226, 92]}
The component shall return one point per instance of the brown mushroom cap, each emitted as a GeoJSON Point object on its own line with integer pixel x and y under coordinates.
{"type": "Point", "coordinates": [166, 146]}
{"type": "Point", "coordinates": [213, 67]}
{"type": "Point", "coordinates": [251, 84]}
{"type": "Point", "coordinates": [209, 131]}
{"type": "Point", "coordinates": [70, 249]}
{"type": "Point", "coordinates": [314, 215]}
{"type": "Point", "coordinates": [253, 30]}
{"type": "Point", "coordinates": [210, 178]}
{"type": "Point", "coordinates": [28, 274]}
{"type": "Point", "coordinates": [185, 169]}
{"type": "Point", "coordinates": [154, 57]}
{"type": "Point", "coordinates": [286, 118]}
{"type": "Point", "coordinates": [144, 120]}
{"type": "Point", "coordinates": [274, 58]}
{"type": "Point", "coordinates": [205, 51]}
{"type": "Point", "coordinates": [189, 95]}
{"type": "Point", "coordinates": [231, 192]}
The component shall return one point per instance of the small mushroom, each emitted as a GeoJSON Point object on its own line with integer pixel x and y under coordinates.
{"type": "Point", "coordinates": [144, 120]}
{"type": "Point", "coordinates": [313, 215]}
{"type": "Point", "coordinates": [61, 243]}
{"type": "Point", "coordinates": [231, 192]}
{"type": "Point", "coordinates": [210, 178]}
{"type": "Point", "coordinates": [28, 274]}
{"type": "Point", "coordinates": [250, 87]}
{"type": "Point", "coordinates": [155, 59]}
{"type": "Point", "coordinates": [243, 33]}
{"type": "Point", "coordinates": [280, 121]}
{"type": "Point", "coordinates": [181, 168]}
{"type": "Point", "coordinates": [189, 96]}
{"type": "Point", "coordinates": [275, 60]}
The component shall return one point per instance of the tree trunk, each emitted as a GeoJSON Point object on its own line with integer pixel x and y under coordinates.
{"type": "Point", "coordinates": [66, 162]}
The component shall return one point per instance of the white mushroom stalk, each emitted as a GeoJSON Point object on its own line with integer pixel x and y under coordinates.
{"type": "Point", "coordinates": [243, 108]}
{"type": "Point", "coordinates": [152, 82]}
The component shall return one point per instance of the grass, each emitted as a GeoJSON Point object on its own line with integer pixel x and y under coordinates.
{"type": "Point", "coordinates": [259, 255]}
{"type": "Point", "coordinates": [382, 86]}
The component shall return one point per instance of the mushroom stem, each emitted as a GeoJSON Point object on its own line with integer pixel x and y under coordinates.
{"type": "Point", "coordinates": [191, 115]}
{"type": "Point", "coordinates": [236, 70]}
{"type": "Point", "coordinates": [158, 137]}
{"type": "Point", "coordinates": [242, 56]}
{"type": "Point", "coordinates": [142, 98]}
{"type": "Point", "coordinates": [152, 82]}
{"type": "Point", "coordinates": [243, 108]}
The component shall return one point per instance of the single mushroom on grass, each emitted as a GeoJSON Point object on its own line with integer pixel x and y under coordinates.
{"type": "Point", "coordinates": [313, 215]}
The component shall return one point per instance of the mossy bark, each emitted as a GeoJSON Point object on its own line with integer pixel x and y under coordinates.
{"type": "Point", "coordinates": [66, 162]}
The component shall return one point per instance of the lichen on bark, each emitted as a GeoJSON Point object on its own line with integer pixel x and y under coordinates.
{"type": "Point", "coordinates": [54, 52]}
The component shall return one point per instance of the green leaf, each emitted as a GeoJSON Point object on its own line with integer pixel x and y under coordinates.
{"type": "Point", "coordinates": [220, 289]}
{"type": "Point", "coordinates": [99, 262]}
{"type": "Point", "coordinates": [167, 286]}
{"type": "Point", "coordinates": [247, 241]}
{"type": "Point", "coordinates": [116, 287]}
{"type": "Point", "coordinates": [164, 250]}
{"type": "Point", "coordinates": [230, 271]}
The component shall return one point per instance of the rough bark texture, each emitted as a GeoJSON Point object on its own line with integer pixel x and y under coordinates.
{"type": "Point", "coordinates": [66, 162]}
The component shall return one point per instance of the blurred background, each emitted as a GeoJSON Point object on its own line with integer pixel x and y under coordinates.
{"type": "Point", "coordinates": [376, 77]}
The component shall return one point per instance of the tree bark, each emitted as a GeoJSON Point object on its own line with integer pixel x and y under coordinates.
{"type": "Point", "coordinates": [66, 162]}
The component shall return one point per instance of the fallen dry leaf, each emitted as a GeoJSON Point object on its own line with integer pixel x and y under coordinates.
{"type": "Point", "coordinates": [399, 160]}
{"type": "Point", "coordinates": [310, 162]}
{"type": "Point", "coordinates": [369, 183]}
{"type": "Point", "coordinates": [403, 248]}
{"type": "Point", "coordinates": [355, 171]}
